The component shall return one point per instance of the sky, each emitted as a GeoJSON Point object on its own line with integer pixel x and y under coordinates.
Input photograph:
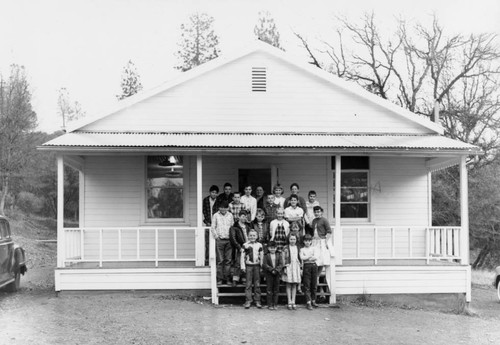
{"type": "Point", "coordinates": [83, 45]}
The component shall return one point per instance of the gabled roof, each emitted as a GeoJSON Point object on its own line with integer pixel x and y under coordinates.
{"type": "Point", "coordinates": [187, 112]}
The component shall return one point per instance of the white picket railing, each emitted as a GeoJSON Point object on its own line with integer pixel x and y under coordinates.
{"type": "Point", "coordinates": [137, 244]}
{"type": "Point", "coordinates": [400, 243]}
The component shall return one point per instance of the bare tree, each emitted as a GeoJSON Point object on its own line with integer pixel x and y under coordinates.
{"type": "Point", "coordinates": [68, 110]}
{"type": "Point", "coordinates": [17, 121]}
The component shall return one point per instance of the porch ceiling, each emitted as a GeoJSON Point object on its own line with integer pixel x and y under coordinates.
{"type": "Point", "coordinates": [120, 141]}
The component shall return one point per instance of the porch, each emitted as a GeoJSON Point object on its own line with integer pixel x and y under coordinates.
{"type": "Point", "coordinates": [375, 260]}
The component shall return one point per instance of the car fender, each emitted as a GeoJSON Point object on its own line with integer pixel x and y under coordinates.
{"type": "Point", "coordinates": [19, 260]}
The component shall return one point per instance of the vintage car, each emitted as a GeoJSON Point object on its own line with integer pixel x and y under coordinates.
{"type": "Point", "coordinates": [496, 281]}
{"type": "Point", "coordinates": [12, 259]}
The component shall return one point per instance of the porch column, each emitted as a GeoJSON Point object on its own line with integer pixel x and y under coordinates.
{"type": "Point", "coordinates": [464, 213]}
{"type": "Point", "coordinates": [60, 211]}
{"type": "Point", "coordinates": [338, 230]}
{"type": "Point", "coordinates": [200, 231]}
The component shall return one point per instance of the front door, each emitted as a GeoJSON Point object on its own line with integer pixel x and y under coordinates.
{"type": "Point", "coordinates": [255, 177]}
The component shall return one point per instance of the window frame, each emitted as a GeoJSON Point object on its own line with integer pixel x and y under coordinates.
{"type": "Point", "coordinates": [368, 202]}
{"type": "Point", "coordinates": [185, 193]}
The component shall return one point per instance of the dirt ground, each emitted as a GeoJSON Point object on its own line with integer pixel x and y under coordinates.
{"type": "Point", "coordinates": [37, 315]}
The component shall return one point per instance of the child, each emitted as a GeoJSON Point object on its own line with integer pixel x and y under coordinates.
{"type": "Point", "coordinates": [309, 216]}
{"type": "Point", "coordinates": [236, 205]}
{"type": "Point", "coordinates": [322, 232]}
{"type": "Point", "coordinates": [250, 202]}
{"type": "Point", "coordinates": [272, 265]}
{"type": "Point", "coordinates": [278, 197]}
{"type": "Point", "coordinates": [294, 213]}
{"type": "Point", "coordinates": [295, 230]}
{"type": "Point", "coordinates": [279, 230]}
{"type": "Point", "coordinates": [291, 274]}
{"type": "Point", "coordinates": [261, 227]}
{"type": "Point", "coordinates": [309, 256]}
{"type": "Point", "coordinates": [270, 208]}
{"type": "Point", "coordinates": [222, 221]}
{"type": "Point", "coordinates": [251, 262]}
{"type": "Point", "coordinates": [237, 237]}
{"type": "Point", "coordinates": [294, 190]}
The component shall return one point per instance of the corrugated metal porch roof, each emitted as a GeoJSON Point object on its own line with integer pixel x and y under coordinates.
{"type": "Point", "coordinates": [101, 140]}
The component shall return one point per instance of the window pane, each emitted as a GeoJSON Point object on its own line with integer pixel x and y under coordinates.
{"type": "Point", "coordinates": [354, 211]}
{"type": "Point", "coordinates": [165, 187]}
{"type": "Point", "coordinates": [354, 195]}
{"type": "Point", "coordinates": [354, 179]}
{"type": "Point", "coordinates": [353, 163]}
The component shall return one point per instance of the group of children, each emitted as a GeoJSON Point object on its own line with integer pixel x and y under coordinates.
{"type": "Point", "coordinates": [287, 239]}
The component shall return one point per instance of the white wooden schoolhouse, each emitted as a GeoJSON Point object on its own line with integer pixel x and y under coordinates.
{"type": "Point", "coordinates": [263, 118]}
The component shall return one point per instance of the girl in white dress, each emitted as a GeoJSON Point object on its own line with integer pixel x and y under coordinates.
{"type": "Point", "coordinates": [291, 275]}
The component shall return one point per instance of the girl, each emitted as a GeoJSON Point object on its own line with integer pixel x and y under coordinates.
{"type": "Point", "coordinates": [294, 213]}
{"type": "Point", "coordinates": [321, 240]}
{"type": "Point", "coordinates": [279, 230]}
{"type": "Point", "coordinates": [291, 274]}
{"type": "Point", "coordinates": [278, 197]}
{"type": "Point", "coordinates": [261, 227]}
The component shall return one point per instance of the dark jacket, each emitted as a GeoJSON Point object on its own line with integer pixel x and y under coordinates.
{"type": "Point", "coordinates": [236, 236]}
{"type": "Point", "coordinates": [207, 212]}
{"type": "Point", "coordinates": [267, 265]}
{"type": "Point", "coordinates": [265, 231]}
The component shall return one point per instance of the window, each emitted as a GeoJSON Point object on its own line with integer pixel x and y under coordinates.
{"type": "Point", "coordinates": [354, 191]}
{"type": "Point", "coordinates": [165, 187]}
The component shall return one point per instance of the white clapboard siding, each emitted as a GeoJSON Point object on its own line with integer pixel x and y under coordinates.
{"type": "Point", "coordinates": [132, 279]}
{"type": "Point", "coordinates": [399, 194]}
{"type": "Point", "coordinates": [222, 101]}
{"type": "Point", "coordinates": [402, 280]}
{"type": "Point", "coordinates": [113, 191]}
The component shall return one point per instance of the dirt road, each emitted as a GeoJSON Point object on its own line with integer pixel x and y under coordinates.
{"type": "Point", "coordinates": [36, 315]}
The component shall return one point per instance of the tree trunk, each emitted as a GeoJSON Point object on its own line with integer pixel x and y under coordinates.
{"type": "Point", "coordinates": [481, 257]}
{"type": "Point", "coordinates": [5, 191]}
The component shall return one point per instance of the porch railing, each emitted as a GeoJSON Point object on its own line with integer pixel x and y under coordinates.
{"type": "Point", "coordinates": [135, 244]}
{"type": "Point", "coordinates": [400, 243]}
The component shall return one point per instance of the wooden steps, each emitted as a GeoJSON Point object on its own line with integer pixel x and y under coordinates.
{"type": "Point", "coordinates": [229, 294]}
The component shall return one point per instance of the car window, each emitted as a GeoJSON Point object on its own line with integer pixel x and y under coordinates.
{"type": "Point", "coordinates": [4, 229]}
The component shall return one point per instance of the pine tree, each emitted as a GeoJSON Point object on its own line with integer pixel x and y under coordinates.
{"type": "Point", "coordinates": [130, 83]}
{"type": "Point", "coordinates": [198, 43]}
{"type": "Point", "coordinates": [266, 30]}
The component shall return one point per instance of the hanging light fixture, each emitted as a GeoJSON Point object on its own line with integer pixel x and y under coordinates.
{"type": "Point", "coordinates": [169, 161]}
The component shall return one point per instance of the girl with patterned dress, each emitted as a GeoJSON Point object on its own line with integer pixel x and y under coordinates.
{"type": "Point", "coordinates": [291, 275]}
{"type": "Point", "coordinates": [279, 230]}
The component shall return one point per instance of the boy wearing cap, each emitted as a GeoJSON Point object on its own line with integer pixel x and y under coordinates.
{"type": "Point", "coordinates": [272, 265]}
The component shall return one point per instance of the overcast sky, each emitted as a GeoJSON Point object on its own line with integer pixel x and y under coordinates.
{"type": "Point", "coordinates": [83, 45]}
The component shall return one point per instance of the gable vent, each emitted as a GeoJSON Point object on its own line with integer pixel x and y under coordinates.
{"type": "Point", "coordinates": [259, 79]}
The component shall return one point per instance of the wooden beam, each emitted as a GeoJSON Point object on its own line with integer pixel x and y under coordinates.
{"type": "Point", "coordinates": [76, 162]}
{"type": "Point", "coordinates": [440, 163]}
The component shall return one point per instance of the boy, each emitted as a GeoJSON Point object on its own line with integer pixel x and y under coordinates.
{"type": "Point", "coordinates": [272, 265]}
{"type": "Point", "coordinates": [250, 202]}
{"type": "Point", "coordinates": [309, 256]}
{"type": "Point", "coordinates": [227, 195]}
{"type": "Point", "coordinates": [294, 213]}
{"type": "Point", "coordinates": [309, 216]}
{"type": "Point", "coordinates": [209, 204]}
{"type": "Point", "coordinates": [251, 262]}
{"type": "Point", "coordinates": [221, 224]}
{"type": "Point", "coordinates": [294, 190]}
{"type": "Point", "coordinates": [270, 208]}
{"type": "Point", "coordinates": [261, 227]}
{"type": "Point", "coordinates": [236, 205]}
{"type": "Point", "coordinates": [237, 237]}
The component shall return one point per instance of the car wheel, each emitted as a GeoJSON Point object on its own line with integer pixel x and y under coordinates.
{"type": "Point", "coordinates": [15, 285]}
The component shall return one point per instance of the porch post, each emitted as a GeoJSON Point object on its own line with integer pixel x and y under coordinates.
{"type": "Point", "coordinates": [338, 230]}
{"type": "Point", "coordinates": [464, 213]}
{"type": "Point", "coordinates": [200, 231]}
{"type": "Point", "coordinates": [60, 212]}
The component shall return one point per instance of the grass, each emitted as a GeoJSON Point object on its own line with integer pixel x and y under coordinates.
{"type": "Point", "coordinates": [483, 277]}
